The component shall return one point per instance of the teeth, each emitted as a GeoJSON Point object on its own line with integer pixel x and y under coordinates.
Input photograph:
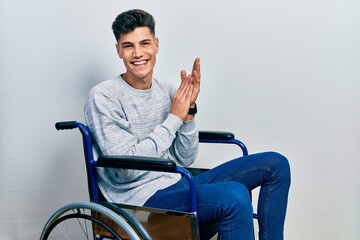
{"type": "Point", "coordinates": [139, 63]}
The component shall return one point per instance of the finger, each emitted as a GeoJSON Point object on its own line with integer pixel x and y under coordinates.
{"type": "Point", "coordinates": [190, 83]}
{"type": "Point", "coordinates": [190, 78]}
{"type": "Point", "coordinates": [183, 75]}
{"type": "Point", "coordinates": [183, 88]}
{"type": "Point", "coordinates": [196, 77]}
{"type": "Point", "coordinates": [184, 96]}
{"type": "Point", "coordinates": [196, 82]}
{"type": "Point", "coordinates": [189, 93]}
{"type": "Point", "coordinates": [196, 66]}
{"type": "Point", "coordinates": [183, 79]}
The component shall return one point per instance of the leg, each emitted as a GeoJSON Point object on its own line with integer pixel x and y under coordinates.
{"type": "Point", "coordinates": [269, 170]}
{"type": "Point", "coordinates": [224, 204]}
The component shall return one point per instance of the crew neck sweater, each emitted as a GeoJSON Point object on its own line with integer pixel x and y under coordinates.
{"type": "Point", "coordinates": [127, 121]}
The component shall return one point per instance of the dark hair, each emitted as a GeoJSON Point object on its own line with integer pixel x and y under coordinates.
{"type": "Point", "coordinates": [127, 21]}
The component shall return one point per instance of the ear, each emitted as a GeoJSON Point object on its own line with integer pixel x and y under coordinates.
{"type": "Point", "coordinates": [118, 50]}
{"type": "Point", "coordinates": [157, 45]}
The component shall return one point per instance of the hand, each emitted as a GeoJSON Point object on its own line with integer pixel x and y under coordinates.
{"type": "Point", "coordinates": [196, 75]}
{"type": "Point", "coordinates": [182, 98]}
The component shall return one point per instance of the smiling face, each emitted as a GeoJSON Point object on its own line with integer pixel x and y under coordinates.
{"type": "Point", "coordinates": [138, 51]}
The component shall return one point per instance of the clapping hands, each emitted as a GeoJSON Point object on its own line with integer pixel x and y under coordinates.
{"type": "Point", "coordinates": [187, 93]}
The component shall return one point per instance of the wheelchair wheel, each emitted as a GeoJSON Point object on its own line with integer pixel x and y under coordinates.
{"type": "Point", "coordinates": [86, 220]}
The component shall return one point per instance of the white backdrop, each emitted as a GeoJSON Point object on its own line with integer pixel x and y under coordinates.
{"type": "Point", "coordinates": [282, 75]}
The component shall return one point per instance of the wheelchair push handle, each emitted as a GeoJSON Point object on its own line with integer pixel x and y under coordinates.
{"type": "Point", "coordinates": [68, 125]}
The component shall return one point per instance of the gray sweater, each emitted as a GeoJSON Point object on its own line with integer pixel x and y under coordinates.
{"type": "Point", "coordinates": [128, 121]}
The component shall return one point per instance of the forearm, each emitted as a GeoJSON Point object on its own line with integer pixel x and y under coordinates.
{"type": "Point", "coordinates": [186, 145]}
{"type": "Point", "coordinates": [117, 138]}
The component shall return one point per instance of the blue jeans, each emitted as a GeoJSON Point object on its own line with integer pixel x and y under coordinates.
{"type": "Point", "coordinates": [224, 202]}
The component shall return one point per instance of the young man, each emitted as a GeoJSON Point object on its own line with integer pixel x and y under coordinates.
{"type": "Point", "coordinates": [136, 114]}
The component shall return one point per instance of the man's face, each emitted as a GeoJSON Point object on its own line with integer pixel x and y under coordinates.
{"type": "Point", "coordinates": [138, 50]}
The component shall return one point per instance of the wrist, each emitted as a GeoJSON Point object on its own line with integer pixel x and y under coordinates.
{"type": "Point", "coordinates": [189, 118]}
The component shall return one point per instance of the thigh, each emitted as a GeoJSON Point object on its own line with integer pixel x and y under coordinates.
{"type": "Point", "coordinates": [252, 170]}
{"type": "Point", "coordinates": [214, 199]}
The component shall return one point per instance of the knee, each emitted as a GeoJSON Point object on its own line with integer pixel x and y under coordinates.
{"type": "Point", "coordinates": [228, 204]}
{"type": "Point", "coordinates": [280, 166]}
{"type": "Point", "coordinates": [236, 197]}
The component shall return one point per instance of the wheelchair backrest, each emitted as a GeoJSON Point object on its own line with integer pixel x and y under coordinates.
{"type": "Point", "coordinates": [90, 162]}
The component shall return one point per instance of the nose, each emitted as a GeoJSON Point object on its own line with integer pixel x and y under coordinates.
{"type": "Point", "coordinates": [137, 53]}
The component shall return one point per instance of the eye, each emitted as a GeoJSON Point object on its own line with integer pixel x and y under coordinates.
{"type": "Point", "coordinates": [145, 43]}
{"type": "Point", "coordinates": [126, 46]}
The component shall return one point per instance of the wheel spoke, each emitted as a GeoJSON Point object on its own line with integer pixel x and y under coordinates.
{"type": "Point", "coordinates": [79, 221]}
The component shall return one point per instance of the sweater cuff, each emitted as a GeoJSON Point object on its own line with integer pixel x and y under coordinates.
{"type": "Point", "coordinates": [189, 126]}
{"type": "Point", "coordinates": [173, 122]}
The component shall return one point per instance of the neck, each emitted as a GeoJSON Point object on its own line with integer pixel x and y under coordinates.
{"type": "Point", "coordinates": [138, 83]}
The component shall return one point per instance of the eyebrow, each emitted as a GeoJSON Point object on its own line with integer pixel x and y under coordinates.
{"type": "Point", "coordinates": [130, 43]}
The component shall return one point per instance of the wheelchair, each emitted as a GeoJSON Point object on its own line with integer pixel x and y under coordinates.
{"type": "Point", "coordinates": [99, 219]}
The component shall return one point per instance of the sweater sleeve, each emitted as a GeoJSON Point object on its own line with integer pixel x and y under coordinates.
{"type": "Point", "coordinates": [185, 147]}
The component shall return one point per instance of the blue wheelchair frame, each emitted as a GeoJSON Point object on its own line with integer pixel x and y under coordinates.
{"type": "Point", "coordinates": [142, 163]}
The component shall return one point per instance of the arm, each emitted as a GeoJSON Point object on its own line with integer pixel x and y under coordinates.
{"type": "Point", "coordinates": [186, 145]}
{"type": "Point", "coordinates": [121, 127]}
{"type": "Point", "coordinates": [185, 148]}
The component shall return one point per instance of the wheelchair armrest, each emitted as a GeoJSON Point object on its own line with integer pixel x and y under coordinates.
{"type": "Point", "coordinates": [150, 164]}
{"type": "Point", "coordinates": [221, 137]}
{"type": "Point", "coordinates": [137, 162]}
{"type": "Point", "coordinates": [215, 135]}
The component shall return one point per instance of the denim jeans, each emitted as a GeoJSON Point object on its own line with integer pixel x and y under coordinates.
{"type": "Point", "coordinates": [224, 202]}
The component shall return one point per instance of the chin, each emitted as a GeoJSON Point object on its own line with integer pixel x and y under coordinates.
{"type": "Point", "coordinates": [142, 74]}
